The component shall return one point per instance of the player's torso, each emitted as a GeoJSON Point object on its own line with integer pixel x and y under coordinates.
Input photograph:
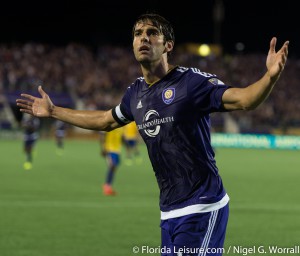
{"type": "Point", "coordinates": [177, 137]}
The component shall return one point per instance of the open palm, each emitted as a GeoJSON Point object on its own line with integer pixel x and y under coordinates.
{"type": "Point", "coordinates": [40, 107]}
{"type": "Point", "coordinates": [276, 60]}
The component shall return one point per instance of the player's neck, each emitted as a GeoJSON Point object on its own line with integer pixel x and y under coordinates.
{"type": "Point", "coordinates": [153, 73]}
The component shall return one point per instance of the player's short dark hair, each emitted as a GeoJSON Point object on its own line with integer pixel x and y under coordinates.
{"type": "Point", "coordinates": [164, 26]}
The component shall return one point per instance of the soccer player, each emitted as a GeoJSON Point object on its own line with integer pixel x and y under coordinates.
{"type": "Point", "coordinates": [111, 146]}
{"type": "Point", "coordinates": [171, 106]}
{"type": "Point", "coordinates": [31, 125]}
{"type": "Point", "coordinates": [130, 137]}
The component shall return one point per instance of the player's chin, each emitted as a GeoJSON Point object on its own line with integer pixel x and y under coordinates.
{"type": "Point", "coordinates": [141, 55]}
{"type": "Point", "coordinates": [143, 58]}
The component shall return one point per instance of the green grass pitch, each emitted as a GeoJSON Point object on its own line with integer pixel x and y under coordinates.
{"type": "Point", "coordinates": [57, 208]}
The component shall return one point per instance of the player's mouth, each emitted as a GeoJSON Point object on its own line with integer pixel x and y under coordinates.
{"type": "Point", "coordinates": [144, 48]}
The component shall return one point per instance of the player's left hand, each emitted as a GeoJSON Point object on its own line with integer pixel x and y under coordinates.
{"type": "Point", "coordinates": [276, 60]}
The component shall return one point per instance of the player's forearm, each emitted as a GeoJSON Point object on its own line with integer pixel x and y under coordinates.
{"type": "Point", "coordinates": [249, 97]}
{"type": "Point", "coordinates": [258, 92]}
{"type": "Point", "coordinates": [92, 120]}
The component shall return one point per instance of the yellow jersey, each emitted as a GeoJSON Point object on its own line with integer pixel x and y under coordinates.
{"type": "Point", "coordinates": [113, 140]}
{"type": "Point", "coordinates": [130, 131]}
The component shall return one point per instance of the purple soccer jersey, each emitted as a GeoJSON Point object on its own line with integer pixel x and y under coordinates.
{"type": "Point", "coordinates": [172, 116]}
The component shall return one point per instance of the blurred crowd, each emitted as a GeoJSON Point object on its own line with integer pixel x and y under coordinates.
{"type": "Point", "coordinates": [98, 77]}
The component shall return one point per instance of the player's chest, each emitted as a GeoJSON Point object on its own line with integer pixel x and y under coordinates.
{"type": "Point", "coordinates": [159, 110]}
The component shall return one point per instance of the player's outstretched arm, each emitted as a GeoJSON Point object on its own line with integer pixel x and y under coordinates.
{"type": "Point", "coordinates": [253, 95]}
{"type": "Point", "coordinates": [43, 107]}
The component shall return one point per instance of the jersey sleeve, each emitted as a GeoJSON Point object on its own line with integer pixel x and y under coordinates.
{"type": "Point", "coordinates": [206, 93]}
{"type": "Point", "coordinates": [122, 113]}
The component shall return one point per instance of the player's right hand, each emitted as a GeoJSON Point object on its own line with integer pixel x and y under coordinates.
{"type": "Point", "coordinates": [40, 107]}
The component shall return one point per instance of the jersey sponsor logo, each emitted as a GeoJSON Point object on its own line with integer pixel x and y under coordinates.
{"type": "Point", "coordinates": [215, 81]}
{"type": "Point", "coordinates": [168, 95]}
{"type": "Point", "coordinates": [151, 123]}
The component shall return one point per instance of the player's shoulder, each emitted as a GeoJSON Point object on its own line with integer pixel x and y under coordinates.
{"type": "Point", "coordinates": [138, 82]}
{"type": "Point", "coordinates": [192, 71]}
{"type": "Point", "coordinates": [195, 76]}
{"type": "Point", "coordinates": [135, 86]}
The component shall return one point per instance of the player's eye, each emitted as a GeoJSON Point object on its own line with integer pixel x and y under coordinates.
{"type": "Point", "coordinates": [154, 33]}
{"type": "Point", "coordinates": [137, 33]}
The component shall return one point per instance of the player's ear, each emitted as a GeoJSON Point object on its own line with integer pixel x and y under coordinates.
{"type": "Point", "coordinates": [169, 46]}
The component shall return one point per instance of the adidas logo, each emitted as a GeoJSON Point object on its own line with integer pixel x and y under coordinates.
{"type": "Point", "coordinates": [139, 105]}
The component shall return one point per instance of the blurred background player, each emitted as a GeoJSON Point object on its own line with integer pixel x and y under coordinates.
{"type": "Point", "coordinates": [130, 138]}
{"type": "Point", "coordinates": [60, 132]}
{"type": "Point", "coordinates": [111, 147]}
{"type": "Point", "coordinates": [31, 125]}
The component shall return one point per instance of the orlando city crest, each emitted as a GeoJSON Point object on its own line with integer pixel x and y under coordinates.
{"type": "Point", "coordinates": [168, 95]}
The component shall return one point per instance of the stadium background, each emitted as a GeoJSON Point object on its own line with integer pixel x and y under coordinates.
{"type": "Point", "coordinates": [57, 208]}
{"type": "Point", "coordinates": [91, 33]}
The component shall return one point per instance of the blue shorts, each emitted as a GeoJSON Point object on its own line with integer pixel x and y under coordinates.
{"type": "Point", "coordinates": [130, 143]}
{"type": "Point", "coordinates": [113, 158]}
{"type": "Point", "coordinates": [200, 234]}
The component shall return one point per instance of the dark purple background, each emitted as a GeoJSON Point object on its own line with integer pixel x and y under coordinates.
{"type": "Point", "coordinates": [93, 22]}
